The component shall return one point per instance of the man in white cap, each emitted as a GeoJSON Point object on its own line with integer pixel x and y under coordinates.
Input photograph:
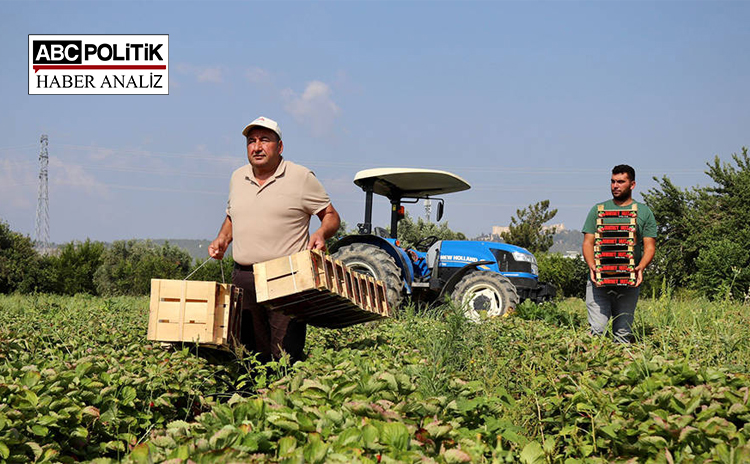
{"type": "Point", "coordinates": [271, 201]}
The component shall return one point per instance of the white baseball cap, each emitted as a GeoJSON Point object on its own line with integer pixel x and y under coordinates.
{"type": "Point", "coordinates": [263, 122]}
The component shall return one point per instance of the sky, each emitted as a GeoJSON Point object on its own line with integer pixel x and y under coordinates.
{"type": "Point", "coordinates": [525, 100]}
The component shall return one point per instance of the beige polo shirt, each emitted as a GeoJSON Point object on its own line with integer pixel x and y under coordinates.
{"type": "Point", "coordinates": [273, 220]}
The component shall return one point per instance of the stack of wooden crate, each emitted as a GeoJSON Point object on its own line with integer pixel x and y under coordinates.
{"type": "Point", "coordinates": [207, 313]}
{"type": "Point", "coordinates": [319, 290]}
{"type": "Point", "coordinates": [614, 243]}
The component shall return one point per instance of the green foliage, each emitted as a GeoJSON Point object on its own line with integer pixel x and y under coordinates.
{"type": "Point", "coordinates": [722, 269]}
{"type": "Point", "coordinates": [691, 222]}
{"type": "Point", "coordinates": [550, 313]}
{"type": "Point", "coordinates": [526, 229]}
{"type": "Point", "coordinates": [679, 220]}
{"type": "Point", "coordinates": [21, 267]}
{"type": "Point", "coordinates": [75, 265]}
{"type": "Point", "coordinates": [79, 382]}
{"type": "Point", "coordinates": [213, 270]}
{"type": "Point", "coordinates": [410, 232]}
{"type": "Point", "coordinates": [43, 278]}
{"type": "Point", "coordinates": [128, 267]}
{"type": "Point", "coordinates": [568, 274]}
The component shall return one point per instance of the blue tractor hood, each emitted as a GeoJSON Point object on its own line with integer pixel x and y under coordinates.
{"type": "Point", "coordinates": [508, 259]}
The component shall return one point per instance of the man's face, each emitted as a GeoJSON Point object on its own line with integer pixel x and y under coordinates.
{"type": "Point", "coordinates": [264, 148]}
{"type": "Point", "coordinates": [621, 186]}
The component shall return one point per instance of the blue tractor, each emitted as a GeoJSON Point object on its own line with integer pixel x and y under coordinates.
{"type": "Point", "coordinates": [484, 277]}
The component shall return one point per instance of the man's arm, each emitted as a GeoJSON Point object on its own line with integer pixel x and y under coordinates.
{"type": "Point", "coordinates": [329, 224]}
{"type": "Point", "coordinates": [218, 247]}
{"type": "Point", "coordinates": [588, 255]}
{"type": "Point", "coordinates": [649, 249]}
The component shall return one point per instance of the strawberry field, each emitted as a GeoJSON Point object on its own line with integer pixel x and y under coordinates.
{"type": "Point", "coordinates": [79, 382]}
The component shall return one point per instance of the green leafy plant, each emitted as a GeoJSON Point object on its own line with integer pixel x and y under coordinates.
{"type": "Point", "coordinates": [569, 275]}
{"type": "Point", "coordinates": [723, 269]}
{"type": "Point", "coordinates": [128, 267]}
{"type": "Point", "coordinates": [79, 382]}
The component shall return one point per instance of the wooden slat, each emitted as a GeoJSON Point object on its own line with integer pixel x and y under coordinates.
{"type": "Point", "coordinates": [356, 292]}
{"type": "Point", "coordinates": [153, 314]}
{"type": "Point", "coordinates": [383, 295]}
{"type": "Point", "coordinates": [371, 292]}
{"type": "Point", "coordinates": [366, 291]}
{"type": "Point", "coordinates": [340, 272]}
{"type": "Point", "coordinates": [349, 289]}
{"type": "Point", "coordinates": [261, 282]}
{"type": "Point", "coordinates": [221, 318]}
{"type": "Point", "coordinates": [181, 315]}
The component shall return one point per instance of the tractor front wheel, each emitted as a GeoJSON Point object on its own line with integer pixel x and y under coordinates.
{"type": "Point", "coordinates": [376, 262]}
{"type": "Point", "coordinates": [485, 293]}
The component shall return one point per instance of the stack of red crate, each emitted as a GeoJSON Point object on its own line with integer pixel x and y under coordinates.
{"type": "Point", "coordinates": [614, 243]}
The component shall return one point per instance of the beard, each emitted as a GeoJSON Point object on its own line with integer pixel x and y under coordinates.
{"type": "Point", "coordinates": [624, 195]}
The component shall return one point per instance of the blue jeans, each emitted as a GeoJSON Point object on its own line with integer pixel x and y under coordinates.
{"type": "Point", "coordinates": [616, 303]}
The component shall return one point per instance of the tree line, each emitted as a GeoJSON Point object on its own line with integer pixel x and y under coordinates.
{"type": "Point", "coordinates": [703, 246]}
{"type": "Point", "coordinates": [126, 267]}
{"type": "Point", "coordinates": [703, 241]}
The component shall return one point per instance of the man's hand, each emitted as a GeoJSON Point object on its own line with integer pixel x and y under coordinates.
{"type": "Point", "coordinates": [588, 256]}
{"type": "Point", "coordinates": [329, 224]}
{"type": "Point", "coordinates": [217, 248]}
{"type": "Point", "coordinates": [592, 275]}
{"type": "Point", "coordinates": [317, 241]}
{"type": "Point", "coordinates": [649, 249]}
{"type": "Point", "coordinates": [638, 276]}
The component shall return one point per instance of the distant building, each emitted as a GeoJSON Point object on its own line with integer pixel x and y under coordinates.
{"type": "Point", "coordinates": [497, 230]}
{"type": "Point", "coordinates": [488, 238]}
{"type": "Point", "coordinates": [566, 241]}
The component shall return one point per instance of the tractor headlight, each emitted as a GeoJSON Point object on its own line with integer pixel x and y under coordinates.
{"type": "Point", "coordinates": [518, 256]}
{"type": "Point", "coordinates": [529, 258]}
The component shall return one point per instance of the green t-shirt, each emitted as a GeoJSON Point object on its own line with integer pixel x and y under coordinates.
{"type": "Point", "coordinates": [645, 224]}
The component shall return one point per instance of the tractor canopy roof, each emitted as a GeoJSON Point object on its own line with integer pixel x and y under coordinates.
{"type": "Point", "coordinates": [410, 182]}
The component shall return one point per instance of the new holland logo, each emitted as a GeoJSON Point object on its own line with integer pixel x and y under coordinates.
{"type": "Point", "coordinates": [99, 64]}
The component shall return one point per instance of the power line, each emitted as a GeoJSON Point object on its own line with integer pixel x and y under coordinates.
{"type": "Point", "coordinates": [459, 169]}
{"type": "Point", "coordinates": [22, 147]}
{"type": "Point", "coordinates": [17, 164]}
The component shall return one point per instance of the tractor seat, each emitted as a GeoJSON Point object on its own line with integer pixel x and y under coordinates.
{"type": "Point", "coordinates": [433, 253]}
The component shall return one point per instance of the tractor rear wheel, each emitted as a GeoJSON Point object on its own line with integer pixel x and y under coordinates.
{"type": "Point", "coordinates": [374, 261]}
{"type": "Point", "coordinates": [487, 293]}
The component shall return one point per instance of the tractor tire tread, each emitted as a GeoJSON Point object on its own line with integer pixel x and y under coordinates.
{"type": "Point", "coordinates": [379, 260]}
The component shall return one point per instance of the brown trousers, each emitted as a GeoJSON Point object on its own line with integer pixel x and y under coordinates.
{"type": "Point", "coordinates": [267, 332]}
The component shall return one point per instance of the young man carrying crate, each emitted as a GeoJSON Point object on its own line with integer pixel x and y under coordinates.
{"type": "Point", "coordinates": [619, 242]}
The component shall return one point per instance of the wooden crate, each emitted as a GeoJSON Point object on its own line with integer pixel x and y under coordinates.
{"type": "Point", "coordinates": [319, 290]}
{"type": "Point", "coordinates": [207, 313]}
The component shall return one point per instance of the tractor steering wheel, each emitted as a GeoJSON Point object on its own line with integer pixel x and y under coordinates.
{"type": "Point", "coordinates": [424, 244]}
